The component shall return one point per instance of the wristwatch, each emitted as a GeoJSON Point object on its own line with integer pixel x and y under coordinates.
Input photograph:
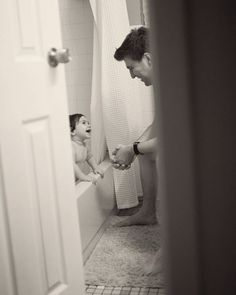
{"type": "Point", "coordinates": [135, 148]}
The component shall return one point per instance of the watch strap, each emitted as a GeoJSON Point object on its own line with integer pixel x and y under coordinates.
{"type": "Point", "coordinates": [135, 148]}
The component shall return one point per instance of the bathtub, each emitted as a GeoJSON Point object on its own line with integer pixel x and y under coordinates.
{"type": "Point", "coordinates": [95, 204]}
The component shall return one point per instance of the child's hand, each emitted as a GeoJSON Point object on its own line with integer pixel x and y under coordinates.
{"type": "Point", "coordinates": [90, 178]}
{"type": "Point", "coordinates": [98, 170]}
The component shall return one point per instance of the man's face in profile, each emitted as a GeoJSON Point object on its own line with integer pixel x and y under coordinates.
{"type": "Point", "coordinates": [140, 69]}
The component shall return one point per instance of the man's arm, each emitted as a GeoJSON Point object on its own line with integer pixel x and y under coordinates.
{"type": "Point", "coordinates": [148, 146]}
{"type": "Point", "coordinates": [124, 154]}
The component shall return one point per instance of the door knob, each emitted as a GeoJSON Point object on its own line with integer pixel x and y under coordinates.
{"type": "Point", "coordinates": [56, 56]}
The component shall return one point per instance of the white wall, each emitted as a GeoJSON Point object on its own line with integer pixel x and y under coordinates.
{"type": "Point", "coordinates": [134, 12]}
{"type": "Point", "coordinates": [77, 35]}
{"type": "Point", "coordinates": [138, 11]}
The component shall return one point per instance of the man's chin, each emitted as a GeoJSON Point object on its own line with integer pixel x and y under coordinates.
{"type": "Point", "coordinates": [147, 83]}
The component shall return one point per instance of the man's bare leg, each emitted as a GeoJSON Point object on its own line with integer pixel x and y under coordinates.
{"type": "Point", "coordinates": [147, 213]}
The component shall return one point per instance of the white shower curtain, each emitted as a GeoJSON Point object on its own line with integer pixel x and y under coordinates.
{"type": "Point", "coordinates": [116, 105]}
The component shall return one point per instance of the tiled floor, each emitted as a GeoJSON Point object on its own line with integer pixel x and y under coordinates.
{"type": "Point", "coordinates": [105, 290]}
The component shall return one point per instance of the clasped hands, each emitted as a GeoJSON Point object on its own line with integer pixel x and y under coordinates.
{"type": "Point", "coordinates": [122, 157]}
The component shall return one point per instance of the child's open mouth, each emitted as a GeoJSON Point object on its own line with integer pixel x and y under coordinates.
{"type": "Point", "coordinates": [88, 130]}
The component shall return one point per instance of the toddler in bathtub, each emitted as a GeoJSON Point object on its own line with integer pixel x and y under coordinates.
{"type": "Point", "coordinates": [80, 129]}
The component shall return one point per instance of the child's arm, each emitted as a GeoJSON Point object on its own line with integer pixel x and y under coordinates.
{"type": "Point", "coordinates": [96, 169]}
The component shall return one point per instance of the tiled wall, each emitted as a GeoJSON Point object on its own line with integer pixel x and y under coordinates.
{"type": "Point", "coordinates": [77, 35]}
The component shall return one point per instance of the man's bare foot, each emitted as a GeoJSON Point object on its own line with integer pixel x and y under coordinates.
{"type": "Point", "coordinates": [128, 212]}
{"type": "Point", "coordinates": [138, 219]}
{"type": "Point", "coordinates": [154, 266]}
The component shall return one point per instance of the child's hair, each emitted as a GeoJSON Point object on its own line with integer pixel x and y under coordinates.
{"type": "Point", "coordinates": [134, 46]}
{"type": "Point", "coordinates": [73, 120]}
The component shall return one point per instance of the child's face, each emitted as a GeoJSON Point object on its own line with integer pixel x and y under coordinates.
{"type": "Point", "coordinates": [82, 129]}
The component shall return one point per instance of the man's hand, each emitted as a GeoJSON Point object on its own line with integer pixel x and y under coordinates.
{"type": "Point", "coordinates": [120, 166]}
{"type": "Point", "coordinates": [123, 156]}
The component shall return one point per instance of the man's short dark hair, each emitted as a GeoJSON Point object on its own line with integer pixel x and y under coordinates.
{"type": "Point", "coordinates": [134, 46]}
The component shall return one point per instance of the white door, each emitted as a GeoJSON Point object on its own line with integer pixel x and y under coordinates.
{"type": "Point", "coordinates": [40, 250]}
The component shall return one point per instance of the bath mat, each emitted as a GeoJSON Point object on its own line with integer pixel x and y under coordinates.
{"type": "Point", "coordinates": [121, 254]}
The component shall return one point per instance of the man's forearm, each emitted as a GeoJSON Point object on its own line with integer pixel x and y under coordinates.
{"type": "Point", "coordinates": [148, 146]}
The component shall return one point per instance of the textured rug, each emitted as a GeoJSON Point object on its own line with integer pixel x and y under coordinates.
{"type": "Point", "coordinates": [120, 256]}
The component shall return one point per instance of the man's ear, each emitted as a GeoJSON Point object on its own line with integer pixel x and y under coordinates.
{"type": "Point", "coordinates": [72, 133]}
{"type": "Point", "coordinates": [148, 57]}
